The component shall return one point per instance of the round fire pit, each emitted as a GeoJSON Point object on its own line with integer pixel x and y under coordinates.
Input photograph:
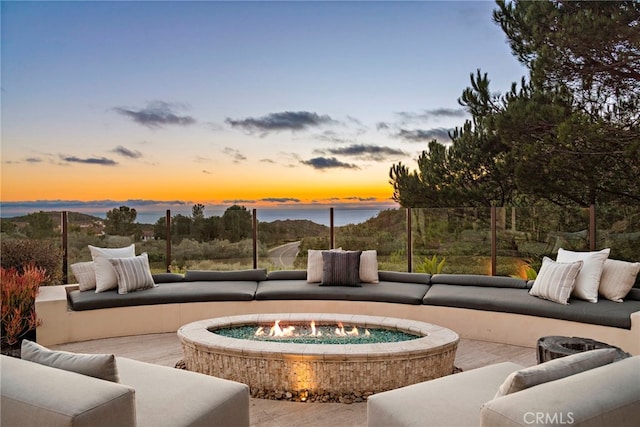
{"type": "Point", "coordinates": [319, 368]}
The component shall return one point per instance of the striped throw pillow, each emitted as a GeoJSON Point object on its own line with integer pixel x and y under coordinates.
{"type": "Point", "coordinates": [618, 277]}
{"type": "Point", "coordinates": [133, 273]}
{"type": "Point", "coordinates": [341, 268]}
{"type": "Point", "coordinates": [85, 274]}
{"type": "Point", "coordinates": [555, 280]}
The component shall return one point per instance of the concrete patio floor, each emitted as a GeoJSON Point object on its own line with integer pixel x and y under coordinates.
{"type": "Point", "coordinates": [165, 349]}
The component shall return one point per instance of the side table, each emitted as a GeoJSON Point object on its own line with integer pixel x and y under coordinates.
{"type": "Point", "coordinates": [552, 347]}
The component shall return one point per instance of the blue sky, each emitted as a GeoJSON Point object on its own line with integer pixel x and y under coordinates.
{"type": "Point", "coordinates": [262, 103]}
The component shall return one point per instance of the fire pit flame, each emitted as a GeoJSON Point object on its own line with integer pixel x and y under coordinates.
{"type": "Point", "coordinates": [289, 331]}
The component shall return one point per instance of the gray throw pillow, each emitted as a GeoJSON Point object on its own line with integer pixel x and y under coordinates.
{"type": "Point", "coordinates": [341, 268]}
{"type": "Point", "coordinates": [102, 366]}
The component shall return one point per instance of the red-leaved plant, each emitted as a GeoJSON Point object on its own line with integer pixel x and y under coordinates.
{"type": "Point", "coordinates": [17, 301]}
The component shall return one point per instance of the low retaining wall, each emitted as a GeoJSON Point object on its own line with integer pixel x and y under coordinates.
{"type": "Point", "coordinates": [61, 325]}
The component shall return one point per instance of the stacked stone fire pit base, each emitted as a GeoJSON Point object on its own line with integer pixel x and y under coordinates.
{"type": "Point", "coordinates": [319, 369]}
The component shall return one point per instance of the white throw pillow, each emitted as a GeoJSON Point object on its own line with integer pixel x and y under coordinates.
{"type": "Point", "coordinates": [102, 366]}
{"type": "Point", "coordinates": [555, 280]}
{"type": "Point", "coordinates": [588, 279]}
{"type": "Point", "coordinates": [133, 273]}
{"type": "Point", "coordinates": [85, 274]}
{"type": "Point", "coordinates": [618, 277]}
{"type": "Point", "coordinates": [106, 278]}
{"type": "Point", "coordinates": [369, 267]}
{"type": "Point", "coordinates": [314, 265]}
{"type": "Point", "coordinates": [555, 369]}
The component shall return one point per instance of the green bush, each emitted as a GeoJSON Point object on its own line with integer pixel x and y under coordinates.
{"type": "Point", "coordinates": [43, 254]}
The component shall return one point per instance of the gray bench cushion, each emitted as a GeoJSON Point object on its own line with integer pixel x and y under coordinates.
{"type": "Point", "coordinates": [404, 293]}
{"type": "Point", "coordinates": [509, 300]}
{"type": "Point", "coordinates": [478, 280]}
{"type": "Point", "coordinates": [237, 275]}
{"type": "Point", "coordinates": [287, 275]}
{"type": "Point", "coordinates": [166, 293]}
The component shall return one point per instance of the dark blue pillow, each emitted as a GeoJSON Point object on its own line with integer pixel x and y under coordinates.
{"type": "Point", "coordinates": [341, 268]}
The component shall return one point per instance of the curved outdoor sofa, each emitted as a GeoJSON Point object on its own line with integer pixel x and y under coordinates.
{"type": "Point", "coordinates": [489, 308]}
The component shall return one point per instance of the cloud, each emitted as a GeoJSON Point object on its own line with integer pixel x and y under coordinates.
{"type": "Point", "coordinates": [370, 152]}
{"type": "Point", "coordinates": [268, 161]}
{"type": "Point", "coordinates": [322, 163]}
{"type": "Point", "coordinates": [92, 204]}
{"type": "Point", "coordinates": [421, 135]}
{"type": "Point", "coordinates": [123, 151]}
{"type": "Point", "coordinates": [238, 201]}
{"type": "Point", "coordinates": [157, 114]}
{"type": "Point", "coordinates": [331, 136]}
{"type": "Point", "coordinates": [206, 172]}
{"type": "Point", "coordinates": [103, 161]}
{"type": "Point", "coordinates": [276, 122]}
{"type": "Point", "coordinates": [361, 199]}
{"type": "Point", "coordinates": [33, 160]}
{"type": "Point", "coordinates": [382, 126]}
{"type": "Point", "coordinates": [425, 115]}
{"type": "Point", "coordinates": [236, 155]}
{"type": "Point", "coordinates": [201, 159]}
{"type": "Point", "coordinates": [280, 200]}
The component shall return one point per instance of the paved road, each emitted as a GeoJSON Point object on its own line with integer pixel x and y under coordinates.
{"type": "Point", "coordinates": [284, 256]}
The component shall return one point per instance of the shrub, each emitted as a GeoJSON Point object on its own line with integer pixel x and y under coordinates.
{"type": "Point", "coordinates": [19, 291]}
{"type": "Point", "coordinates": [431, 265]}
{"type": "Point", "coordinates": [43, 254]}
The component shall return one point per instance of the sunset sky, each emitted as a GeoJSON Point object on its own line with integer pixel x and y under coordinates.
{"type": "Point", "coordinates": [258, 103]}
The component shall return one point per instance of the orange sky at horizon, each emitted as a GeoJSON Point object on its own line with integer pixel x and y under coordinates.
{"type": "Point", "coordinates": [89, 183]}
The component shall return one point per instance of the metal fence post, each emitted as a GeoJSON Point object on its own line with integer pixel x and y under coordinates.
{"type": "Point", "coordinates": [168, 232]}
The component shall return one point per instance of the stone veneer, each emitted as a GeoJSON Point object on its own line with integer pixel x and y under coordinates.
{"type": "Point", "coordinates": [317, 368]}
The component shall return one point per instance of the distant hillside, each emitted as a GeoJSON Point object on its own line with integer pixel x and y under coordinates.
{"type": "Point", "coordinates": [56, 216]}
{"type": "Point", "coordinates": [290, 230]}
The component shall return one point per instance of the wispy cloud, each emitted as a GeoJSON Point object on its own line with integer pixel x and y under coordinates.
{"type": "Point", "coordinates": [422, 135]}
{"type": "Point", "coordinates": [123, 151]}
{"type": "Point", "coordinates": [276, 122]}
{"type": "Point", "coordinates": [202, 159]}
{"type": "Point", "coordinates": [280, 200]}
{"type": "Point", "coordinates": [157, 114]}
{"type": "Point", "coordinates": [365, 151]}
{"type": "Point", "coordinates": [405, 118]}
{"type": "Point", "coordinates": [236, 155]}
{"type": "Point", "coordinates": [360, 199]}
{"type": "Point", "coordinates": [323, 163]}
{"type": "Point", "coordinates": [426, 115]}
{"type": "Point", "coordinates": [100, 204]}
{"type": "Point", "coordinates": [238, 201]}
{"type": "Point", "coordinates": [33, 160]}
{"type": "Point", "coordinates": [102, 161]}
